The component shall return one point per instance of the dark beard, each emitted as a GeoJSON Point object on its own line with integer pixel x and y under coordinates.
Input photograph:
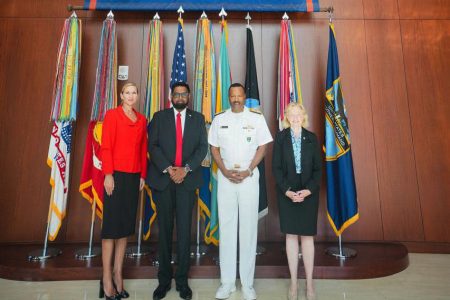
{"type": "Point", "coordinates": [179, 106]}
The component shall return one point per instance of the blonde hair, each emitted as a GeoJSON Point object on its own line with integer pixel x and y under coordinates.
{"type": "Point", "coordinates": [289, 108]}
{"type": "Point", "coordinates": [129, 84]}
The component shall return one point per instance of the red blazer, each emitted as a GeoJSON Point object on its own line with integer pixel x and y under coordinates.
{"type": "Point", "coordinates": [124, 143]}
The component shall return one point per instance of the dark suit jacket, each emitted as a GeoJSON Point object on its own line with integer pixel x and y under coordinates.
{"type": "Point", "coordinates": [162, 146]}
{"type": "Point", "coordinates": [283, 161]}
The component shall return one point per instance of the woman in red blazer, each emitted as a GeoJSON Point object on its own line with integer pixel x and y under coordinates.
{"type": "Point", "coordinates": [124, 163]}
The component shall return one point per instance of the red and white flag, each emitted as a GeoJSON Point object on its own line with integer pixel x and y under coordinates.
{"type": "Point", "coordinates": [58, 160]}
{"type": "Point", "coordinates": [92, 177]}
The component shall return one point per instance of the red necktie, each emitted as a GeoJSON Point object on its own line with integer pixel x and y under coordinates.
{"type": "Point", "coordinates": [179, 138]}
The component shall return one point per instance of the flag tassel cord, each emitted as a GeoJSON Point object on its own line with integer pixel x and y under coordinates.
{"type": "Point", "coordinates": [70, 7]}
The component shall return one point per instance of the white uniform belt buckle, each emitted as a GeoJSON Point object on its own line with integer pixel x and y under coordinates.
{"type": "Point", "coordinates": [236, 166]}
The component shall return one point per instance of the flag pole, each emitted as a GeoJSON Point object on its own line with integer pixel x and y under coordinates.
{"type": "Point", "coordinates": [341, 252]}
{"type": "Point", "coordinates": [88, 253]}
{"type": "Point", "coordinates": [139, 250]}
{"type": "Point", "coordinates": [71, 7]}
{"type": "Point", "coordinates": [45, 253]}
{"type": "Point", "coordinates": [198, 250]}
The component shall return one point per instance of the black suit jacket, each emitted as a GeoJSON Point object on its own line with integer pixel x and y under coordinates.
{"type": "Point", "coordinates": [283, 161]}
{"type": "Point", "coordinates": [162, 146]}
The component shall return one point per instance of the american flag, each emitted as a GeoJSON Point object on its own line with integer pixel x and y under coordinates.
{"type": "Point", "coordinates": [179, 60]}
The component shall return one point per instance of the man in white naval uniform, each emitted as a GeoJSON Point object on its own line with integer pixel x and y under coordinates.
{"type": "Point", "coordinates": [238, 139]}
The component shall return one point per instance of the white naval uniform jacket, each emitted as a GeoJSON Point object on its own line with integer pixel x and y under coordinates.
{"type": "Point", "coordinates": [238, 135]}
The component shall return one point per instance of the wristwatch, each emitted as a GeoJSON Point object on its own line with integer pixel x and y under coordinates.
{"type": "Point", "coordinates": [187, 168]}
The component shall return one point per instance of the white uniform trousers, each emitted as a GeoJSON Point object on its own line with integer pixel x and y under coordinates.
{"type": "Point", "coordinates": [238, 200]}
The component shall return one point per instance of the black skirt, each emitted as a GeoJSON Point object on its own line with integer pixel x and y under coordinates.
{"type": "Point", "coordinates": [298, 218]}
{"type": "Point", "coordinates": [119, 209]}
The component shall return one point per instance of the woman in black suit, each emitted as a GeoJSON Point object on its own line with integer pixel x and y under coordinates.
{"type": "Point", "coordinates": [297, 168]}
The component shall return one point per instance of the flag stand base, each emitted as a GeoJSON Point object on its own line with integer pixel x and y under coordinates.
{"type": "Point", "coordinates": [173, 261]}
{"type": "Point", "coordinates": [135, 251]}
{"type": "Point", "coordinates": [38, 255]}
{"type": "Point", "coordinates": [343, 254]}
{"type": "Point", "coordinates": [85, 254]}
{"type": "Point", "coordinates": [198, 250]}
{"type": "Point", "coordinates": [260, 250]}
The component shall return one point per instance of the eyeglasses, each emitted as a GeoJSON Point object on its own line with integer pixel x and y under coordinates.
{"type": "Point", "coordinates": [180, 95]}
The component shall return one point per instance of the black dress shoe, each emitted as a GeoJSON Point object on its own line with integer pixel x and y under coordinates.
{"type": "Point", "coordinates": [101, 293]}
{"type": "Point", "coordinates": [185, 292]}
{"type": "Point", "coordinates": [161, 291]}
{"type": "Point", "coordinates": [123, 294]}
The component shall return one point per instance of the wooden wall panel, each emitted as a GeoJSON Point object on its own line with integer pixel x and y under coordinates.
{"type": "Point", "coordinates": [381, 9]}
{"type": "Point", "coordinates": [132, 44]}
{"type": "Point", "coordinates": [426, 48]}
{"type": "Point", "coordinates": [27, 78]}
{"type": "Point", "coordinates": [7, 190]}
{"type": "Point", "coordinates": [419, 9]}
{"type": "Point", "coordinates": [392, 132]}
{"type": "Point", "coordinates": [351, 42]}
{"type": "Point", "coordinates": [36, 8]}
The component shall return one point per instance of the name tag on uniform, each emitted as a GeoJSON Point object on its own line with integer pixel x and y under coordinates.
{"type": "Point", "coordinates": [249, 128]}
{"type": "Point", "coordinates": [224, 127]}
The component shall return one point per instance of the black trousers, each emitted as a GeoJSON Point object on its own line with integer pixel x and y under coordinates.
{"type": "Point", "coordinates": [175, 201]}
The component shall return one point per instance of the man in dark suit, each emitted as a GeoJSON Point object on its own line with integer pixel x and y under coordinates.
{"type": "Point", "coordinates": [177, 146]}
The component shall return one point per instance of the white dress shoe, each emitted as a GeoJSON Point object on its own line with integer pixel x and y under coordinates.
{"type": "Point", "coordinates": [225, 290]}
{"type": "Point", "coordinates": [249, 293]}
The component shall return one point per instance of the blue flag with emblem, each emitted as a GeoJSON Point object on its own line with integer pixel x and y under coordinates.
{"type": "Point", "coordinates": [342, 205]}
